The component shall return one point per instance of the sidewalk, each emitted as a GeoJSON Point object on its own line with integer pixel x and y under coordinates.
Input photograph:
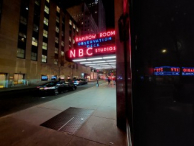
{"type": "Point", "coordinates": [23, 128]}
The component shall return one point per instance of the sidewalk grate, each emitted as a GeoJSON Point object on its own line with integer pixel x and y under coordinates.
{"type": "Point", "coordinates": [69, 120]}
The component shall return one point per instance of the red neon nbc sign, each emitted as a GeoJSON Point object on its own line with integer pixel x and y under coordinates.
{"type": "Point", "coordinates": [94, 36]}
{"type": "Point", "coordinates": [77, 53]}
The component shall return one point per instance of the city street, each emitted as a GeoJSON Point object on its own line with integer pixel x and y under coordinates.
{"type": "Point", "coordinates": [13, 101]}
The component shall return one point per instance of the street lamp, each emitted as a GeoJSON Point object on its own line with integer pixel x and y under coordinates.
{"type": "Point", "coordinates": [164, 50]}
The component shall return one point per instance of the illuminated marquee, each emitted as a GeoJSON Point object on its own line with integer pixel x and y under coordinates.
{"type": "Point", "coordinates": [169, 70]}
{"type": "Point", "coordinates": [93, 45]}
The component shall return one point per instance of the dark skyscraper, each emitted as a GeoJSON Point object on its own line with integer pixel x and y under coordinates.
{"type": "Point", "coordinates": [96, 7]}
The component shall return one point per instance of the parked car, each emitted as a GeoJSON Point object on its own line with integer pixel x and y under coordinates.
{"type": "Point", "coordinates": [69, 85]}
{"type": "Point", "coordinates": [77, 82]}
{"type": "Point", "coordinates": [84, 81]}
{"type": "Point", "coordinates": [56, 87]}
{"type": "Point", "coordinates": [80, 81]}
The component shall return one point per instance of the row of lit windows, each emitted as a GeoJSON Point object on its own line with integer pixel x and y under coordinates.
{"type": "Point", "coordinates": [70, 23]}
{"type": "Point", "coordinates": [45, 34]}
{"type": "Point", "coordinates": [21, 52]}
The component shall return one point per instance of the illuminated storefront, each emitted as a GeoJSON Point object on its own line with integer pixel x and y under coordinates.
{"type": "Point", "coordinates": [2, 80]}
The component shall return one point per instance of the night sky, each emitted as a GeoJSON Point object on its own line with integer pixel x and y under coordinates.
{"type": "Point", "coordinates": [108, 6]}
{"type": "Point", "coordinates": [109, 10]}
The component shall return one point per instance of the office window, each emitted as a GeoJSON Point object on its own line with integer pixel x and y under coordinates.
{"type": "Point", "coordinates": [56, 50]}
{"type": "Point", "coordinates": [35, 28]}
{"type": "Point", "coordinates": [57, 19]}
{"type": "Point", "coordinates": [23, 20]}
{"type": "Point", "coordinates": [62, 43]}
{"type": "Point", "coordinates": [62, 53]}
{"type": "Point", "coordinates": [57, 29]}
{"type": "Point", "coordinates": [77, 29]}
{"type": "Point", "coordinates": [44, 58]}
{"type": "Point", "coordinates": [56, 61]}
{"type": "Point", "coordinates": [45, 21]}
{"type": "Point", "coordinates": [70, 22]}
{"type": "Point", "coordinates": [47, 1]}
{"type": "Point", "coordinates": [44, 46]}
{"type": "Point", "coordinates": [70, 39]}
{"type": "Point", "coordinates": [58, 9]}
{"type": "Point", "coordinates": [20, 53]}
{"type": "Point", "coordinates": [73, 41]}
{"type": "Point", "coordinates": [46, 9]}
{"type": "Point", "coordinates": [33, 56]}
{"type": "Point", "coordinates": [56, 40]}
{"type": "Point", "coordinates": [37, 2]}
{"type": "Point", "coordinates": [45, 33]}
{"type": "Point", "coordinates": [34, 41]}
{"type": "Point", "coordinates": [22, 35]}
{"type": "Point", "coordinates": [74, 26]}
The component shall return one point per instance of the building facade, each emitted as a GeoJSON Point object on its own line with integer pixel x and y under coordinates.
{"type": "Point", "coordinates": [82, 15]}
{"type": "Point", "coordinates": [96, 8]}
{"type": "Point", "coordinates": [33, 42]}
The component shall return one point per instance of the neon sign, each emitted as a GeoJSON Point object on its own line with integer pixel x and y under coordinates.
{"type": "Point", "coordinates": [105, 49]}
{"type": "Point", "coordinates": [94, 43]}
{"type": "Point", "coordinates": [107, 34]}
{"type": "Point", "coordinates": [77, 53]}
{"type": "Point", "coordinates": [169, 70]}
{"type": "Point", "coordinates": [188, 71]}
{"type": "Point", "coordinates": [94, 36]}
{"type": "Point", "coordinates": [88, 37]}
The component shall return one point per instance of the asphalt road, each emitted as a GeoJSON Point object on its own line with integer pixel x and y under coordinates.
{"type": "Point", "coordinates": [14, 101]}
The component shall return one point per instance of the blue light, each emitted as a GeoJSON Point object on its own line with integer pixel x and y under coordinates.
{"type": "Point", "coordinates": [93, 43]}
